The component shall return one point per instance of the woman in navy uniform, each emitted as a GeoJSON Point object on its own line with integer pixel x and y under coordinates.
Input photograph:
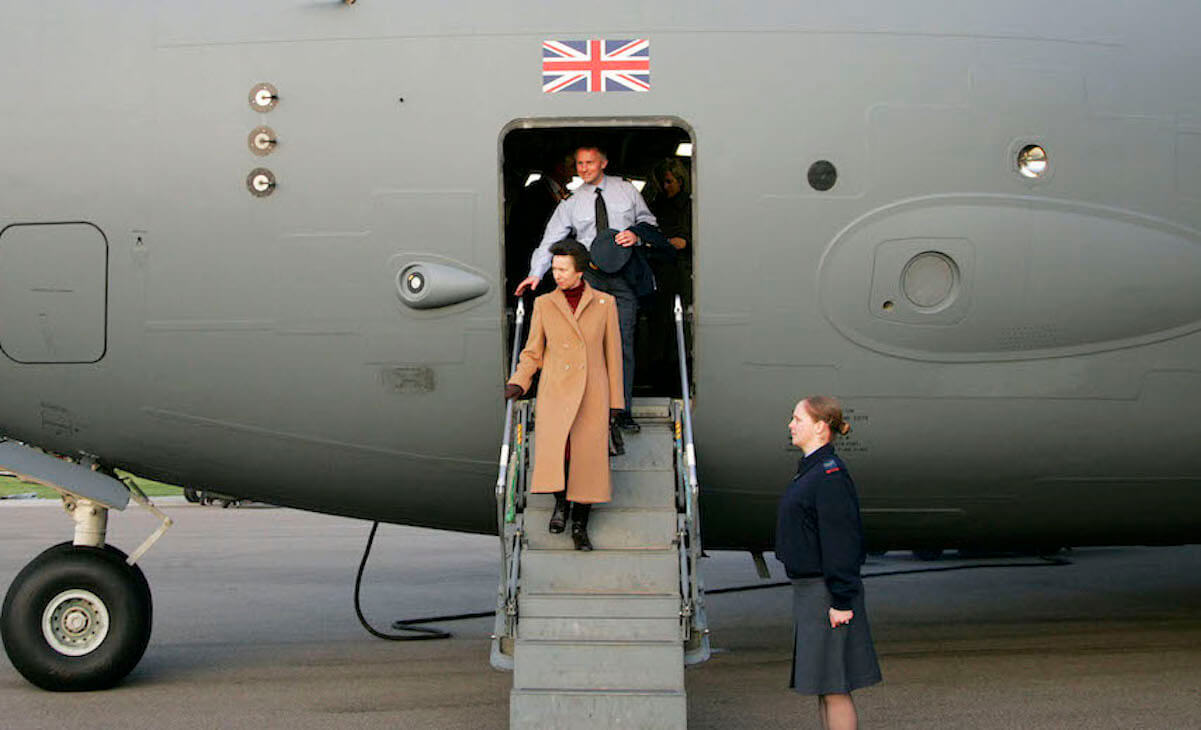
{"type": "Point", "coordinates": [819, 538]}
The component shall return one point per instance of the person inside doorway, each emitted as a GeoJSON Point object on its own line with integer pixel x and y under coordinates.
{"type": "Point", "coordinates": [671, 202]}
{"type": "Point", "coordinates": [611, 210]}
{"type": "Point", "coordinates": [532, 208]}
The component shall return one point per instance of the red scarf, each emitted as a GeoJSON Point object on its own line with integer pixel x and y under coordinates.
{"type": "Point", "coordinates": [573, 295]}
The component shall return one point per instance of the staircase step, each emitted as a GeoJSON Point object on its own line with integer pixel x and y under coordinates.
{"type": "Point", "coordinates": [643, 489]}
{"type": "Point", "coordinates": [608, 528]}
{"type": "Point", "coordinates": [600, 629]}
{"type": "Point", "coordinates": [583, 605]}
{"type": "Point", "coordinates": [571, 665]}
{"type": "Point", "coordinates": [583, 710]}
{"type": "Point", "coordinates": [634, 489]}
{"type": "Point", "coordinates": [651, 450]}
{"type": "Point", "coordinates": [600, 571]}
{"type": "Point", "coordinates": [651, 409]}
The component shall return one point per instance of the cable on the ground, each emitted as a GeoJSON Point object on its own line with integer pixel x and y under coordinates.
{"type": "Point", "coordinates": [422, 633]}
{"type": "Point", "coordinates": [1047, 562]}
{"type": "Point", "coordinates": [417, 633]}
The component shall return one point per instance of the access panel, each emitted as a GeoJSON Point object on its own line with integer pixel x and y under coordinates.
{"type": "Point", "coordinates": [53, 292]}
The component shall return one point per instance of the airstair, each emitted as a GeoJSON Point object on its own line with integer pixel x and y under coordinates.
{"type": "Point", "coordinates": [600, 639]}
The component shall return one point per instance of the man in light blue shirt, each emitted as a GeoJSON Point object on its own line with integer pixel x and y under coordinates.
{"type": "Point", "coordinates": [617, 205]}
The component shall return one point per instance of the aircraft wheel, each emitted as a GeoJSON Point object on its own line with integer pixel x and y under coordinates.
{"type": "Point", "coordinates": [77, 618]}
{"type": "Point", "coordinates": [191, 495]}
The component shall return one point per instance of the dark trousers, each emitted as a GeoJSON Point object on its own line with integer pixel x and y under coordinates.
{"type": "Point", "coordinates": [627, 318]}
{"type": "Point", "coordinates": [660, 354]}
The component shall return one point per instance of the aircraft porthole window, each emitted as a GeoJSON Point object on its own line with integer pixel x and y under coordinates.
{"type": "Point", "coordinates": [263, 97]}
{"type": "Point", "coordinates": [822, 175]}
{"type": "Point", "coordinates": [1032, 161]}
{"type": "Point", "coordinates": [887, 306]}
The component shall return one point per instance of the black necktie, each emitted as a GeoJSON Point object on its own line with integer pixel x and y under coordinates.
{"type": "Point", "coordinates": [602, 213]}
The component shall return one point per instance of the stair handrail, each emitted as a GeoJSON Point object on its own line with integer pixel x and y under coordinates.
{"type": "Point", "coordinates": [510, 544]}
{"type": "Point", "coordinates": [505, 441]}
{"type": "Point", "coordinates": [692, 489]}
{"type": "Point", "coordinates": [689, 447]}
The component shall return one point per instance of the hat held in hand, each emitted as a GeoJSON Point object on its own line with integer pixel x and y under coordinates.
{"type": "Point", "coordinates": [607, 255]}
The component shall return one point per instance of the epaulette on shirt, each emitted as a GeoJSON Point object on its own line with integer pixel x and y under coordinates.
{"type": "Point", "coordinates": [831, 466]}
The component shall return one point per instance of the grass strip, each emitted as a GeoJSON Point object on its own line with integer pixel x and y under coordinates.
{"type": "Point", "coordinates": [12, 485]}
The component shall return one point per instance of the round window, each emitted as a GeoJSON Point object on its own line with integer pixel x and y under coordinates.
{"type": "Point", "coordinates": [1032, 161]}
{"type": "Point", "coordinates": [929, 279]}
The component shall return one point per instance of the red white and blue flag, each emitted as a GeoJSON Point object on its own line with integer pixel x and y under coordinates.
{"type": "Point", "coordinates": [596, 65]}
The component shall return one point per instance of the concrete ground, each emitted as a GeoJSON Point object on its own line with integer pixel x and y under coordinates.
{"type": "Point", "coordinates": [254, 628]}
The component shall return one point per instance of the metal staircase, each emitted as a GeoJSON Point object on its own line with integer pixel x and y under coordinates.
{"type": "Point", "coordinates": [600, 639]}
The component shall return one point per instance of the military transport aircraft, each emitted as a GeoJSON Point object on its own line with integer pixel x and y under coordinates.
{"type": "Point", "coordinates": [258, 248]}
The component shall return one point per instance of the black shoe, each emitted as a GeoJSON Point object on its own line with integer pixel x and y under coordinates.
{"type": "Point", "coordinates": [627, 422]}
{"type": "Point", "coordinates": [558, 518]}
{"type": "Point", "coordinates": [579, 535]}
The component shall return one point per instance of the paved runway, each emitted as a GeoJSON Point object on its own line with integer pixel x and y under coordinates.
{"type": "Point", "coordinates": [254, 628]}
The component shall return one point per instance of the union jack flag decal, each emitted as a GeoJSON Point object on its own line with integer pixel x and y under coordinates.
{"type": "Point", "coordinates": [596, 65]}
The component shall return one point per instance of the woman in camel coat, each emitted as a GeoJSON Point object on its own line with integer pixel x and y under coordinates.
{"type": "Point", "coordinates": [576, 342]}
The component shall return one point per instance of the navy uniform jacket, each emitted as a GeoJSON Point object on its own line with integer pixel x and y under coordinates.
{"type": "Point", "coordinates": [637, 271]}
{"type": "Point", "coordinates": [819, 531]}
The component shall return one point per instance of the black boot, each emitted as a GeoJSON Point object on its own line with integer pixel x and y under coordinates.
{"type": "Point", "coordinates": [579, 526]}
{"type": "Point", "coordinates": [627, 423]}
{"type": "Point", "coordinates": [558, 518]}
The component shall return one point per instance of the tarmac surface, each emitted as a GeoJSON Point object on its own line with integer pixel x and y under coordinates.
{"type": "Point", "coordinates": [255, 628]}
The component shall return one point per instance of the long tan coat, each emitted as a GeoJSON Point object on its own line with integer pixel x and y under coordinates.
{"type": "Point", "coordinates": [580, 359]}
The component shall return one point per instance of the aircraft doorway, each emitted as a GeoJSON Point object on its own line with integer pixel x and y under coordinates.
{"type": "Point", "coordinates": [537, 169]}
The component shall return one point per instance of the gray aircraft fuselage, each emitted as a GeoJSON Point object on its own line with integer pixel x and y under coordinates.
{"type": "Point", "coordinates": [1020, 357]}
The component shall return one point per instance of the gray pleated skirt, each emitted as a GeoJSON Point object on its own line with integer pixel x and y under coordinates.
{"type": "Point", "coordinates": [825, 660]}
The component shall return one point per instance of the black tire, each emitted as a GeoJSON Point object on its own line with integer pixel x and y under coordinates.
{"type": "Point", "coordinates": [138, 576]}
{"type": "Point", "coordinates": [121, 589]}
{"type": "Point", "coordinates": [191, 495]}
